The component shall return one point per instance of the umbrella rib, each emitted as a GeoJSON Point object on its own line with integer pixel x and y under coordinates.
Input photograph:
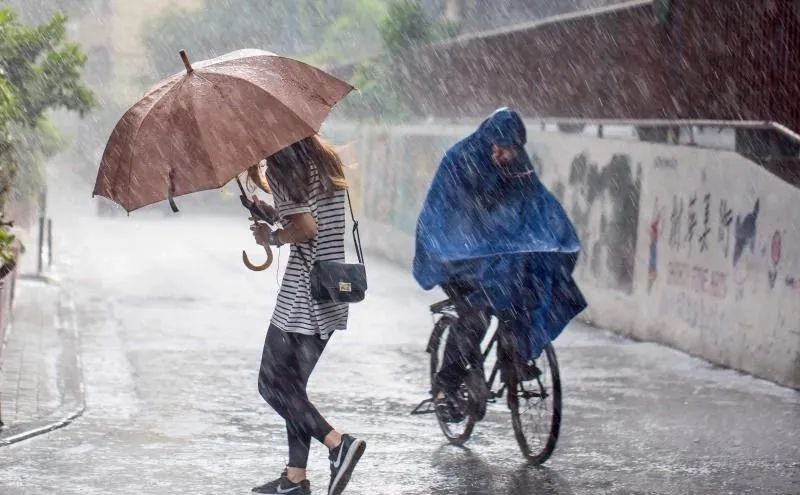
{"type": "Point", "coordinates": [200, 131]}
{"type": "Point", "coordinates": [150, 112]}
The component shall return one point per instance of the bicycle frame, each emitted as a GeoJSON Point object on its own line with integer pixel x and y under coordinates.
{"type": "Point", "coordinates": [446, 309]}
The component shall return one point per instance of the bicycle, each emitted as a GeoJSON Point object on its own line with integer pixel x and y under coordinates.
{"type": "Point", "coordinates": [534, 398]}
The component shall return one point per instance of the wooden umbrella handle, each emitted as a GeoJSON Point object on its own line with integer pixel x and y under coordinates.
{"type": "Point", "coordinates": [258, 268]}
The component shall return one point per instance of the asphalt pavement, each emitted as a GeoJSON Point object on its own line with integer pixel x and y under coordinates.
{"type": "Point", "coordinates": [170, 331]}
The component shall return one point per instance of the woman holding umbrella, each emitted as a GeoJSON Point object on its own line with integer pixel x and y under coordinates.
{"type": "Point", "coordinates": [202, 128]}
{"type": "Point", "coordinates": [308, 184]}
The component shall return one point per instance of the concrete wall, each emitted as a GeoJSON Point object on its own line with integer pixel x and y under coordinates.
{"type": "Point", "coordinates": [695, 248]}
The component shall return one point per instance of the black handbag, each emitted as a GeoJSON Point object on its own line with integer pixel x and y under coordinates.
{"type": "Point", "coordinates": [337, 281]}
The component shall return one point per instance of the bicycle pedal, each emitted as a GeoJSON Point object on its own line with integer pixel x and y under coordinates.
{"type": "Point", "coordinates": [424, 407]}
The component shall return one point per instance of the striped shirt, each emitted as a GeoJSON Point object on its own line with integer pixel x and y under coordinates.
{"type": "Point", "coordinates": [295, 310]}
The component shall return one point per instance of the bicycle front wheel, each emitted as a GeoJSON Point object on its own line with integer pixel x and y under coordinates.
{"type": "Point", "coordinates": [535, 404]}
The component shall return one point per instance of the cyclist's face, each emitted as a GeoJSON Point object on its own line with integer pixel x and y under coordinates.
{"type": "Point", "coordinates": [502, 156]}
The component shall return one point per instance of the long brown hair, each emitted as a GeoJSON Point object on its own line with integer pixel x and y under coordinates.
{"type": "Point", "coordinates": [256, 179]}
{"type": "Point", "coordinates": [290, 167]}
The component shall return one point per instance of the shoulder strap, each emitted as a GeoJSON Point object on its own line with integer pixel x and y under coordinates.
{"type": "Point", "coordinates": [356, 233]}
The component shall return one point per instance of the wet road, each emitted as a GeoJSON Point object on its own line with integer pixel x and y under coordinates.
{"type": "Point", "coordinates": [172, 326]}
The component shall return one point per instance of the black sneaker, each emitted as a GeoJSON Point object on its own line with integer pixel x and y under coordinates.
{"type": "Point", "coordinates": [528, 371]}
{"type": "Point", "coordinates": [282, 486]}
{"type": "Point", "coordinates": [447, 408]}
{"type": "Point", "coordinates": [343, 460]}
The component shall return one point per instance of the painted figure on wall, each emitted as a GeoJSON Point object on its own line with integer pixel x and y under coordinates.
{"type": "Point", "coordinates": [655, 232]}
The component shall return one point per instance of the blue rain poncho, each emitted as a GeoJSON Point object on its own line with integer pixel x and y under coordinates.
{"type": "Point", "coordinates": [501, 232]}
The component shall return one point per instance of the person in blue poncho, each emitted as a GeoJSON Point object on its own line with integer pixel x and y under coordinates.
{"type": "Point", "coordinates": [498, 243]}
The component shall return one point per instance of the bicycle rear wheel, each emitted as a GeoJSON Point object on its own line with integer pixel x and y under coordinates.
{"type": "Point", "coordinates": [459, 432]}
{"type": "Point", "coordinates": [536, 407]}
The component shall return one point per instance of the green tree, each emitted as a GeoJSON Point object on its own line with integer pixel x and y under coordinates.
{"type": "Point", "coordinates": [406, 26]}
{"type": "Point", "coordinates": [39, 71]}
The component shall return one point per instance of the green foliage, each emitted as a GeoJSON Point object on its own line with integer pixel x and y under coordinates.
{"type": "Point", "coordinates": [39, 71]}
{"type": "Point", "coordinates": [376, 98]}
{"type": "Point", "coordinates": [6, 246]}
{"type": "Point", "coordinates": [41, 68]}
{"type": "Point", "coordinates": [9, 103]}
{"type": "Point", "coordinates": [407, 26]}
{"type": "Point", "coordinates": [352, 35]}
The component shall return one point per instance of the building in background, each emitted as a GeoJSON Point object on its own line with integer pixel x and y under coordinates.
{"type": "Point", "coordinates": [110, 33]}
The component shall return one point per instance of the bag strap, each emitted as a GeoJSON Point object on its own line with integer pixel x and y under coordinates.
{"type": "Point", "coordinates": [356, 235]}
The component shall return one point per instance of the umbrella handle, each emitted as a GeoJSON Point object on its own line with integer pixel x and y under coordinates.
{"type": "Point", "coordinates": [257, 268]}
{"type": "Point", "coordinates": [246, 260]}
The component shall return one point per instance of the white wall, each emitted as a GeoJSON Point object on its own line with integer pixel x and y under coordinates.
{"type": "Point", "coordinates": [710, 275]}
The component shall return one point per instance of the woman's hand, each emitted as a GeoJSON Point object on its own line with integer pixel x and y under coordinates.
{"type": "Point", "coordinates": [260, 208]}
{"type": "Point", "coordinates": [261, 233]}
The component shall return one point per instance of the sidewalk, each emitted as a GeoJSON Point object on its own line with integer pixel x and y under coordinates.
{"type": "Point", "coordinates": [41, 385]}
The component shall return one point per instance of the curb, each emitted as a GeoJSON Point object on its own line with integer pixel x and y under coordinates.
{"type": "Point", "coordinates": [66, 320]}
{"type": "Point", "coordinates": [40, 430]}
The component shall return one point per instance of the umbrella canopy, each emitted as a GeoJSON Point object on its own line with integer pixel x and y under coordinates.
{"type": "Point", "coordinates": [199, 129]}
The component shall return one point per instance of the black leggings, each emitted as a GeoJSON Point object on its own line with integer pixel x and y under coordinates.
{"type": "Point", "coordinates": [286, 364]}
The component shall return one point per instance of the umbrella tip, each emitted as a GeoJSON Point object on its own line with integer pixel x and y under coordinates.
{"type": "Point", "coordinates": [186, 62]}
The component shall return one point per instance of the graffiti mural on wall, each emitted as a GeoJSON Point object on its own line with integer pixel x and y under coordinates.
{"type": "Point", "coordinates": [655, 234]}
{"type": "Point", "coordinates": [699, 223]}
{"type": "Point", "coordinates": [706, 220]}
{"type": "Point", "coordinates": [611, 192]}
{"type": "Point", "coordinates": [775, 258]}
{"type": "Point", "coordinates": [745, 233]}
{"type": "Point", "coordinates": [697, 279]}
{"type": "Point", "coordinates": [691, 226]}
{"type": "Point", "coordinates": [675, 222]}
{"type": "Point", "coordinates": [691, 222]}
{"type": "Point", "coordinates": [724, 227]}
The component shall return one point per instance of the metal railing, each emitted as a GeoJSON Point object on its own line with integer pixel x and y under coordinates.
{"type": "Point", "coordinates": [734, 124]}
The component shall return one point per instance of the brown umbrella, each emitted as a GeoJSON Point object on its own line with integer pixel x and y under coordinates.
{"type": "Point", "coordinates": [199, 129]}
